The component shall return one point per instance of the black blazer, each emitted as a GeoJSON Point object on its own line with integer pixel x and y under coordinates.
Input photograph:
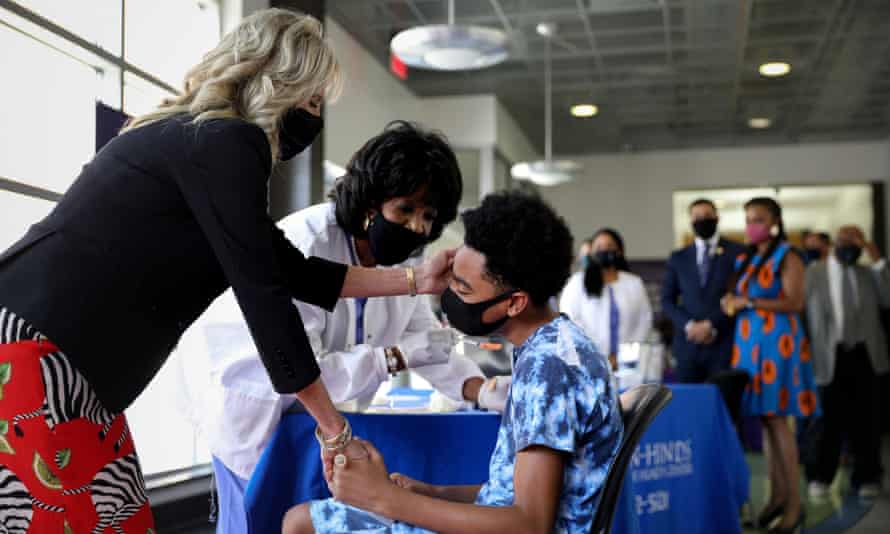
{"type": "Point", "coordinates": [157, 225]}
{"type": "Point", "coordinates": [684, 299]}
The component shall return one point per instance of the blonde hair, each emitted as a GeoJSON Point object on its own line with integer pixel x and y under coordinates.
{"type": "Point", "coordinates": [273, 61]}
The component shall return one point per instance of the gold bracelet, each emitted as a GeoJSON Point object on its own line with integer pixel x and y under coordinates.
{"type": "Point", "coordinates": [337, 442]}
{"type": "Point", "coordinates": [412, 282]}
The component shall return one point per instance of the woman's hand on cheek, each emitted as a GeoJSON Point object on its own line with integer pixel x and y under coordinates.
{"type": "Point", "coordinates": [434, 275]}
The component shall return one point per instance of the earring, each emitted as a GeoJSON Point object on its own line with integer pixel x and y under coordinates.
{"type": "Point", "coordinates": [367, 222]}
{"type": "Point", "coordinates": [774, 231]}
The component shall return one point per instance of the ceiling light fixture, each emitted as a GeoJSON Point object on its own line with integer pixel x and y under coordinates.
{"type": "Point", "coordinates": [548, 171]}
{"type": "Point", "coordinates": [759, 123]}
{"type": "Point", "coordinates": [774, 69]}
{"type": "Point", "coordinates": [585, 110]}
{"type": "Point", "coordinates": [450, 47]}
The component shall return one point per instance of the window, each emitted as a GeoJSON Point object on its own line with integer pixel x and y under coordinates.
{"type": "Point", "coordinates": [46, 134]}
{"type": "Point", "coordinates": [142, 96]}
{"type": "Point", "coordinates": [96, 21]}
{"type": "Point", "coordinates": [167, 37]}
{"type": "Point", "coordinates": [70, 55]}
{"type": "Point", "coordinates": [19, 212]}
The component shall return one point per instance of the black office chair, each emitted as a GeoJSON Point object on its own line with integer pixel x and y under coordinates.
{"type": "Point", "coordinates": [639, 406]}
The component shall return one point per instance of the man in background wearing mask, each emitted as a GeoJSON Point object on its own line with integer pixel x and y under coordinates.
{"type": "Point", "coordinates": [695, 280]}
{"type": "Point", "coordinates": [817, 247]}
{"type": "Point", "coordinates": [849, 347]}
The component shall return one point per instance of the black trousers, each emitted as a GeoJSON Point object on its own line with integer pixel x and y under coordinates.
{"type": "Point", "coordinates": [849, 408]}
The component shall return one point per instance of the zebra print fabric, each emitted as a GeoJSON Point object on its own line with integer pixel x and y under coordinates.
{"type": "Point", "coordinates": [14, 328]}
{"type": "Point", "coordinates": [47, 394]}
{"type": "Point", "coordinates": [16, 508]}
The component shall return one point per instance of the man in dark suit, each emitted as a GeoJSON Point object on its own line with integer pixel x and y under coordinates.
{"type": "Point", "coordinates": [696, 279]}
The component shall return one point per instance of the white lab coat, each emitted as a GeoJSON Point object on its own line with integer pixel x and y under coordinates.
{"type": "Point", "coordinates": [592, 313]}
{"type": "Point", "coordinates": [238, 410]}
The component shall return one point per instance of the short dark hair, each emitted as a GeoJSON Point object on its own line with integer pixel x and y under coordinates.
{"type": "Point", "coordinates": [825, 237]}
{"type": "Point", "coordinates": [703, 202]}
{"type": "Point", "coordinates": [526, 245]}
{"type": "Point", "coordinates": [400, 161]}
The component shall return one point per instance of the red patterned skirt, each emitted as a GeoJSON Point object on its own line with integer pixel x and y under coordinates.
{"type": "Point", "coordinates": [67, 465]}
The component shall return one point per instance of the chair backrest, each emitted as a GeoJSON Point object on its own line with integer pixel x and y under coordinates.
{"type": "Point", "coordinates": [639, 406]}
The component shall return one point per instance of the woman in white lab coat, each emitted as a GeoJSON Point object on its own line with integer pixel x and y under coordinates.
{"type": "Point", "coordinates": [400, 190]}
{"type": "Point", "coordinates": [608, 301]}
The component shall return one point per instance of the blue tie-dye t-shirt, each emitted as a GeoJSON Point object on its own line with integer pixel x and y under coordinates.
{"type": "Point", "coordinates": [563, 399]}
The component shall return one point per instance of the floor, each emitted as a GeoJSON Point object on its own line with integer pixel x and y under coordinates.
{"type": "Point", "coordinates": [840, 513]}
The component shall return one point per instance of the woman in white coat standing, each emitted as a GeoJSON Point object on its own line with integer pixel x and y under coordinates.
{"type": "Point", "coordinates": [608, 301]}
{"type": "Point", "coordinates": [400, 190]}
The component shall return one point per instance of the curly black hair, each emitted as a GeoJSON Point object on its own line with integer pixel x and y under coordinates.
{"type": "Point", "coordinates": [400, 161]}
{"type": "Point", "coordinates": [526, 245]}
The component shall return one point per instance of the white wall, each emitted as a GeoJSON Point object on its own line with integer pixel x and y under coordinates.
{"type": "Point", "coordinates": [371, 98]}
{"type": "Point", "coordinates": [511, 140]}
{"type": "Point", "coordinates": [633, 192]}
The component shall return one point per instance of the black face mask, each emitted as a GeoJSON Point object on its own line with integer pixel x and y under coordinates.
{"type": "Point", "coordinates": [299, 128]}
{"type": "Point", "coordinates": [812, 254]}
{"type": "Point", "coordinates": [468, 317]}
{"type": "Point", "coordinates": [607, 258]}
{"type": "Point", "coordinates": [848, 255]}
{"type": "Point", "coordinates": [392, 243]}
{"type": "Point", "coordinates": [705, 228]}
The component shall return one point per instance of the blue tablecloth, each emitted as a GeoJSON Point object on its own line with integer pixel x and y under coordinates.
{"type": "Point", "coordinates": [689, 474]}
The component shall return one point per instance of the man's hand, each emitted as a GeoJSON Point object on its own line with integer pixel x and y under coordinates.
{"type": "Point", "coordinates": [354, 450]}
{"type": "Point", "coordinates": [868, 246]}
{"type": "Point", "coordinates": [433, 276]}
{"type": "Point", "coordinates": [700, 332]}
{"type": "Point", "coordinates": [415, 486]}
{"type": "Point", "coordinates": [363, 483]}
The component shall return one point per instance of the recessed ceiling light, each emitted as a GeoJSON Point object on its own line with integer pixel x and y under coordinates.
{"type": "Point", "coordinates": [585, 110]}
{"type": "Point", "coordinates": [760, 123]}
{"type": "Point", "coordinates": [774, 69]}
{"type": "Point", "coordinates": [546, 29]}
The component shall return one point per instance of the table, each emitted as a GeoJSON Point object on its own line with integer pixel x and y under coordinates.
{"type": "Point", "coordinates": [688, 474]}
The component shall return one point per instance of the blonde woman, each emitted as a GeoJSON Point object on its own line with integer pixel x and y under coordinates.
{"type": "Point", "coordinates": [165, 218]}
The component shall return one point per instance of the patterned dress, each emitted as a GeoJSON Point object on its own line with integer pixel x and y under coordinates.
{"type": "Point", "coordinates": [67, 465]}
{"type": "Point", "coordinates": [562, 398]}
{"type": "Point", "coordinates": [772, 347]}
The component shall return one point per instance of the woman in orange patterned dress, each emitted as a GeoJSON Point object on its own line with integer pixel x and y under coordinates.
{"type": "Point", "coordinates": [768, 295]}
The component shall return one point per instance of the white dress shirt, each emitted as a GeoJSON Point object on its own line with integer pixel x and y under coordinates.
{"type": "Point", "coordinates": [238, 410]}
{"type": "Point", "coordinates": [592, 313]}
{"type": "Point", "coordinates": [836, 272]}
{"type": "Point", "coordinates": [700, 247]}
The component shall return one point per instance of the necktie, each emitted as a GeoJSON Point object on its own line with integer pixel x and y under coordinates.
{"type": "Point", "coordinates": [613, 323]}
{"type": "Point", "coordinates": [852, 327]}
{"type": "Point", "coordinates": [704, 267]}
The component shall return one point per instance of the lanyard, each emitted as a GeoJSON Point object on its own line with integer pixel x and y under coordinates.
{"type": "Point", "coordinates": [359, 301]}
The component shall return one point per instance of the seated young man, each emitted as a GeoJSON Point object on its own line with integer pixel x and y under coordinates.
{"type": "Point", "coordinates": [562, 425]}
